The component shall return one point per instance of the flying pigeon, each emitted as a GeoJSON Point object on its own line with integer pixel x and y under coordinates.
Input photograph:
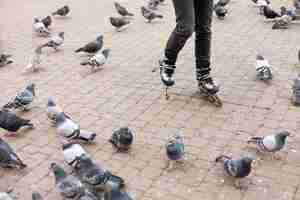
{"type": "Point", "coordinates": [149, 14]}
{"type": "Point", "coordinates": [12, 123]}
{"type": "Point", "coordinates": [118, 22]}
{"type": "Point", "coordinates": [122, 139]}
{"type": "Point", "coordinates": [8, 158]}
{"type": "Point", "coordinates": [222, 3]}
{"type": "Point", "coordinates": [23, 99]}
{"type": "Point", "coordinates": [152, 4]}
{"type": "Point", "coordinates": [282, 22]}
{"type": "Point", "coordinates": [40, 28]}
{"type": "Point", "coordinates": [5, 196]}
{"type": "Point", "coordinates": [296, 92]}
{"type": "Point", "coordinates": [68, 186]}
{"type": "Point", "coordinates": [263, 68]}
{"type": "Point", "coordinates": [269, 13]}
{"type": "Point", "coordinates": [34, 60]}
{"type": "Point", "coordinates": [70, 130]}
{"type": "Point", "coordinates": [237, 168]}
{"type": "Point", "coordinates": [220, 11]}
{"type": "Point", "coordinates": [55, 41]}
{"type": "Point", "coordinates": [122, 10]}
{"type": "Point", "coordinates": [270, 143]}
{"type": "Point", "coordinates": [53, 110]}
{"type": "Point", "coordinates": [62, 11]}
{"type": "Point", "coordinates": [98, 60]}
{"type": "Point", "coordinates": [175, 150]}
{"type": "Point", "coordinates": [116, 194]}
{"type": "Point", "coordinates": [92, 47]}
{"type": "Point", "coordinates": [36, 196]}
{"type": "Point", "coordinates": [4, 60]}
{"type": "Point", "coordinates": [71, 152]}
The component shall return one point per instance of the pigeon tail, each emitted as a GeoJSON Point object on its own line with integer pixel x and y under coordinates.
{"type": "Point", "coordinates": [84, 63]}
{"type": "Point", "coordinates": [159, 16]}
{"type": "Point", "coordinates": [222, 158]}
{"type": "Point", "coordinates": [254, 140]}
{"type": "Point", "coordinates": [130, 14]}
{"type": "Point", "coordinates": [79, 50]}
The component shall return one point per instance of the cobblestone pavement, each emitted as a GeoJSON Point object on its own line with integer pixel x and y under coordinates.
{"type": "Point", "coordinates": [127, 93]}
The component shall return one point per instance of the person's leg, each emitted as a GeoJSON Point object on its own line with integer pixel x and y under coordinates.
{"type": "Point", "coordinates": [185, 22]}
{"type": "Point", "coordinates": [203, 20]}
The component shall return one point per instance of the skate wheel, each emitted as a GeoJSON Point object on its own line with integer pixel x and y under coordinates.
{"type": "Point", "coordinates": [214, 99]}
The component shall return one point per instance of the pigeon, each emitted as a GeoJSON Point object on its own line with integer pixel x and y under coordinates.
{"type": "Point", "coordinates": [296, 90]}
{"type": "Point", "coordinates": [152, 4]}
{"type": "Point", "coordinates": [222, 3]}
{"type": "Point", "coordinates": [23, 99]}
{"type": "Point", "coordinates": [40, 28]}
{"type": "Point", "coordinates": [53, 110]}
{"type": "Point", "coordinates": [270, 143]}
{"type": "Point", "coordinates": [55, 41]}
{"type": "Point", "coordinates": [92, 47]}
{"type": "Point", "coordinates": [5, 196]}
{"type": "Point", "coordinates": [12, 123]}
{"type": "Point", "coordinates": [220, 11]}
{"type": "Point", "coordinates": [118, 22]}
{"type": "Point", "coordinates": [34, 60]}
{"type": "Point", "coordinates": [70, 130]}
{"type": "Point", "coordinates": [68, 186]}
{"type": "Point", "coordinates": [237, 168]}
{"type": "Point", "coordinates": [62, 11]}
{"type": "Point", "coordinates": [282, 22]}
{"type": "Point", "coordinates": [175, 150]}
{"type": "Point", "coordinates": [116, 194]}
{"type": "Point", "coordinates": [36, 196]}
{"type": "Point", "coordinates": [71, 152]}
{"type": "Point", "coordinates": [122, 10]}
{"type": "Point", "coordinates": [149, 14]}
{"type": "Point", "coordinates": [47, 21]}
{"type": "Point", "coordinates": [122, 139]}
{"type": "Point", "coordinates": [8, 158]}
{"type": "Point", "coordinates": [263, 68]}
{"type": "Point", "coordinates": [4, 60]}
{"type": "Point", "coordinates": [98, 60]}
{"type": "Point", "coordinates": [269, 13]}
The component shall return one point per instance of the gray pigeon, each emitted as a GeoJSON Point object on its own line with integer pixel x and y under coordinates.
{"type": "Point", "coordinates": [98, 60]}
{"type": "Point", "coordinates": [62, 11]}
{"type": "Point", "coordinates": [122, 10]}
{"type": "Point", "coordinates": [55, 41]}
{"type": "Point", "coordinates": [68, 186]}
{"type": "Point", "coordinates": [175, 150]}
{"type": "Point", "coordinates": [237, 168]}
{"type": "Point", "coordinates": [149, 14]}
{"type": "Point", "coordinates": [122, 139]}
{"type": "Point", "coordinates": [40, 28]}
{"type": "Point", "coordinates": [36, 196]}
{"type": "Point", "coordinates": [92, 174]}
{"type": "Point", "coordinates": [220, 11]}
{"type": "Point", "coordinates": [92, 47]}
{"type": "Point", "coordinates": [5, 196]}
{"type": "Point", "coordinates": [263, 68]}
{"type": "Point", "coordinates": [71, 152]}
{"type": "Point", "coordinates": [71, 131]}
{"type": "Point", "coordinates": [296, 92]}
{"type": "Point", "coordinates": [4, 59]}
{"type": "Point", "coordinates": [53, 110]}
{"type": "Point", "coordinates": [23, 99]}
{"type": "Point", "coordinates": [270, 143]}
{"type": "Point", "coordinates": [8, 158]}
{"type": "Point", "coordinates": [12, 123]}
{"type": "Point", "coordinates": [118, 22]}
{"type": "Point", "coordinates": [116, 194]}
